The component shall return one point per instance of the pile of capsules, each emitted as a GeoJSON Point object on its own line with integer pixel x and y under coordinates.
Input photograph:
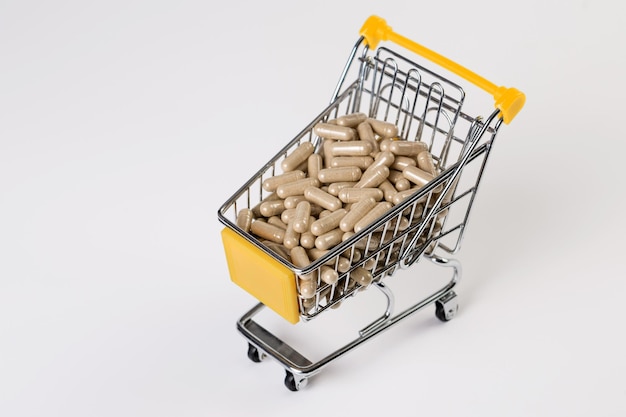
{"type": "Point", "coordinates": [321, 199]}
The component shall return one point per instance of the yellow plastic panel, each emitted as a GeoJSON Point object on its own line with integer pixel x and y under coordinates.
{"type": "Point", "coordinates": [266, 279]}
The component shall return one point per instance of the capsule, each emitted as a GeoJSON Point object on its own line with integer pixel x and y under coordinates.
{"type": "Point", "coordinates": [384, 129]}
{"type": "Point", "coordinates": [362, 162]}
{"type": "Point", "coordinates": [315, 253]}
{"type": "Point", "coordinates": [403, 195]}
{"type": "Point", "coordinates": [334, 188]}
{"type": "Point", "coordinates": [327, 151]}
{"type": "Point", "coordinates": [336, 132]}
{"type": "Point", "coordinates": [278, 249]}
{"type": "Point", "coordinates": [307, 240]}
{"type": "Point", "coordinates": [297, 157]}
{"type": "Point", "coordinates": [370, 264]}
{"type": "Point", "coordinates": [328, 223]}
{"type": "Point", "coordinates": [407, 148]}
{"type": "Point", "coordinates": [388, 190]}
{"type": "Point", "coordinates": [357, 212]}
{"type": "Point", "coordinates": [373, 177]}
{"type": "Point", "coordinates": [351, 120]}
{"type": "Point", "coordinates": [353, 255]}
{"type": "Point", "coordinates": [425, 162]}
{"type": "Point", "coordinates": [314, 165]}
{"type": "Point", "coordinates": [272, 183]}
{"type": "Point", "coordinates": [402, 162]}
{"type": "Point", "coordinates": [385, 158]}
{"type": "Point", "coordinates": [354, 195]}
{"type": "Point", "coordinates": [267, 231]}
{"type": "Point", "coordinates": [292, 201]}
{"type": "Point", "coordinates": [367, 134]}
{"type": "Point", "coordinates": [272, 208]}
{"type": "Point", "coordinates": [343, 264]}
{"type": "Point", "coordinates": [403, 184]}
{"type": "Point", "coordinates": [276, 221]}
{"type": "Point", "coordinates": [329, 239]}
{"type": "Point", "coordinates": [351, 148]}
{"type": "Point", "coordinates": [417, 176]}
{"type": "Point", "coordinates": [300, 258]}
{"type": "Point", "coordinates": [368, 243]}
{"type": "Point", "coordinates": [321, 198]}
{"type": "Point", "coordinates": [329, 275]}
{"type": "Point", "coordinates": [307, 288]}
{"type": "Point", "coordinates": [384, 144]}
{"type": "Point", "coordinates": [244, 219]}
{"type": "Point", "coordinates": [292, 238]}
{"type": "Point", "coordinates": [301, 217]}
{"type": "Point", "coordinates": [296, 187]}
{"type": "Point", "coordinates": [288, 215]}
{"type": "Point", "coordinates": [330, 175]}
{"type": "Point", "coordinates": [371, 216]}
{"type": "Point", "coordinates": [256, 210]}
{"type": "Point", "coordinates": [361, 276]}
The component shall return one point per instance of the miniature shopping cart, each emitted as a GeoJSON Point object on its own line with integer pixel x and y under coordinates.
{"type": "Point", "coordinates": [425, 107]}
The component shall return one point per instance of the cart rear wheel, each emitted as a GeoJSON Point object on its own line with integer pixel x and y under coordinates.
{"type": "Point", "coordinates": [253, 354]}
{"type": "Point", "coordinates": [293, 383]}
{"type": "Point", "coordinates": [446, 307]}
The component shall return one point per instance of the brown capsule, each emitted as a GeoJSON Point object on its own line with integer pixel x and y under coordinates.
{"type": "Point", "coordinates": [307, 240]}
{"type": "Point", "coordinates": [373, 177]}
{"type": "Point", "coordinates": [417, 176]}
{"type": "Point", "coordinates": [351, 120]}
{"type": "Point", "coordinates": [367, 134]}
{"type": "Point", "coordinates": [315, 253]}
{"type": "Point", "coordinates": [292, 201]}
{"type": "Point", "coordinates": [323, 199]}
{"type": "Point", "coordinates": [353, 255]}
{"type": "Point", "coordinates": [272, 208]}
{"type": "Point", "coordinates": [425, 162]}
{"type": "Point", "coordinates": [328, 223]}
{"type": "Point", "coordinates": [267, 231]}
{"type": "Point", "coordinates": [403, 195]}
{"type": "Point", "coordinates": [351, 148]}
{"type": "Point", "coordinates": [362, 162]}
{"type": "Point", "coordinates": [357, 212]}
{"type": "Point", "coordinates": [361, 276]}
{"type": "Point", "coordinates": [402, 162]}
{"type": "Point", "coordinates": [369, 243]}
{"type": "Point", "coordinates": [299, 257]}
{"type": "Point", "coordinates": [324, 214]}
{"type": "Point", "coordinates": [307, 288]}
{"type": "Point", "coordinates": [385, 158]}
{"type": "Point", "coordinates": [244, 219]}
{"type": "Point", "coordinates": [334, 188]}
{"type": "Point", "coordinates": [327, 151]}
{"type": "Point", "coordinates": [407, 147]}
{"type": "Point", "coordinates": [384, 129]}
{"type": "Point", "coordinates": [347, 235]}
{"type": "Point", "coordinates": [301, 217]}
{"type": "Point", "coordinates": [373, 215]}
{"type": "Point", "coordinates": [297, 157]}
{"type": "Point", "coordinates": [314, 165]}
{"type": "Point", "coordinates": [292, 238]}
{"type": "Point", "coordinates": [278, 249]}
{"type": "Point", "coordinates": [256, 210]}
{"type": "Point", "coordinates": [272, 183]}
{"type": "Point", "coordinates": [296, 187]}
{"type": "Point", "coordinates": [354, 195]}
{"type": "Point", "coordinates": [329, 275]}
{"type": "Point", "coordinates": [343, 264]}
{"type": "Point", "coordinates": [330, 175]}
{"type": "Point", "coordinates": [329, 239]}
{"type": "Point", "coordinates": [385, 144]}
{"type": "Point", "coordinates": [388, 190]}
{"type": "Point", "coordinates": [288, 215]}
{"type": "Point", "coordinates": [403, 184]}
{"type": "Point", "coordinates": [370, 263]}
{"type": "Point", "coordinates": [336, 132]}
{"type": "Point", "coordinates": [276, 221]}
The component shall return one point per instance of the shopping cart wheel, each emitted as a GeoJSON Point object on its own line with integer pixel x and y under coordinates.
{"type": "Point", "coordinates": [295, 383]}
{"type": "Point", "coordinates": [254, 355]}
{"type": "Point", "coordinates": [446, 307]}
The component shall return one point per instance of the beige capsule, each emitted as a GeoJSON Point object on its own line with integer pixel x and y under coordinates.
{"type": "Point", "coordinates": [362, 162]}
{"type": "Point", "coordinates": [297, 157]}
{"type": "Point", "coordinates": [366, 133]}
{"type": "Point", "coordinates": [343, 264]}
{"type": "Point", "coordinates": [271, 184]}
{"type": "Point", "coordinates": [373, 177]}
{"type": "Point", "coordinates": [384, 144]}
{"type": "Point", "coordinates": [315, 254]}
{"type": "Point", "coordinates": [307, 240]}
{"type": "Point", "coordinates": [417, 176]}
{"type": "Point", "coordinates": [334, 188]}
{"type": "Point", "coordinates": [323, 199]}
{"type": "Point", "coordinates": [385, 158]}
{"type": "Point", "coordinates": [328, 275]}
{"type": "Point", "coordinates": [301, 217]}
{"type": "Point", "coordinates": [361, 276]}
{"type": "Point", "coordinates": [272, 208]}
{"type": "Point", "coordinates": [352, 254]}
{"type": "Point", "coordinates": [307, 288]}
{"type": "Point", "coordinates": [314, 164]}
{"type": "Point", "coordinates": [354, 195]}
{"type": "Point", "coordinates": [267, 231]}
{"type": "Point", "coordinates": [403, 195]}
{"type": "Point", "coordinates": [389, 191]}
{"type": "Point", "coordinates": [329, 239]}
{"type": "Point", "coordinates": [296, 187]}
{"type": "Point", "coordinates": [370, 264]}
{"type": "Point", "coordinates": [278, 249]}
{"type": "Point", "coordinates": [340, 174]}
{"type": "Point", "coordinates": [358, 211]}
{"type": "Point", "coordinates": [347, 235]}
{"type": "Point", "coordinates": [324, 213]}
{"type": "Point", "coordinates": [292, 201]}
{"type": "Point", "coordinates": [292, 238]}
{"type": "Point", "coordinates": [327, 145]}
{"type": "Point", "coordinates": [244, 219]}
{"type": "Point", "coordinates": [276, 221]}
{"type": "Point", "coordinates": [288, 215]}
{"type": "Point", "coordinates": [371, 216]}
{"type": "Point", "coordinates": [299, 257]}
{"type": "Point", "coordinates": [256, 210]}
{"type": "Point", "coordinates": [369, 242]}
{"type": "Point", "coordinates": [384, 129]}
{"type": "Point", "coordinates": [403, 184]}
{"type": "Point", "coordinates": [425, 162]}
{"type": "Point", "coordinates": [336, 132]}
{"type": "Point", "coordinates": [407, 147]}
{"type": "Point", "coordinates": [351, 120]}
{"type": "Point", "coordinates": [351, 148]}
{"type": "Point", "coordinates": [402, 162]}
{"type": "Point", "coordinates": [328, 223]}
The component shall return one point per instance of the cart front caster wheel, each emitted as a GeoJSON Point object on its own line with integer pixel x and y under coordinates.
{"type": "Point", "coordinates": [254, 355]}
{"type": "Point", "coordinates": [446, 307]}
{"type": "Point", "coordinates": [294, 383]}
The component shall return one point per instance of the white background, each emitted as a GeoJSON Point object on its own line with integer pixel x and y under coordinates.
{"type": "Point", "coordinates": [124, 125]}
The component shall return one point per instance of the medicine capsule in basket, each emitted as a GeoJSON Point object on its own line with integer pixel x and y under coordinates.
{"type": "Point", "coordinates": [351, 120]}
{"type": "Point", "coordinates": [384, 129]}
{"type": "Point", "coordinates": [362, 162]}
{"type": "Point", "coordinates": [351, 148]}
{"type": "Point", "coordinates": [329, 239]}
{"type": "Point", "coordinates": [296, 187]}
{"type": "Point", "coordinates": [417, 176]}
{"type": "Point", "coordinates": [272, 183]}
{"type": "Point", "coordinates": [341, 174]}
{"type": "Point", "coordinates": [373, 177]}
{"type": "Point", "coordinates": [328, 223]}
{"type": "Point", "coordinates": [407, 148]}
{"type": "Point", "coordinates": [354, 195]}
{"type": "Point", "coordinates": [361, 276]}
{"type": "Point", "coordinates": [321, 198]}
{"type": "Point", "coordinates": [425, 162]}
{"type": "Point", "coordinates": [331, 131]}
{"type": "Point", "coordinates": [375, 213]}
{"type": "Point", "coordinates": [244, 219]}
{"type": "Point", "coordinates": [357, 212]}
{"type": "Point", "coordinates": [297, 157]}
{"type": "Point", "coordinates": [267, 231]}
{"type": "Point", "coordinates": [301, 217]}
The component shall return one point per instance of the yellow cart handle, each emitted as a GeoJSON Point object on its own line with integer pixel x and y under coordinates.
{"type": "Point", "coordinates": [508, 100]}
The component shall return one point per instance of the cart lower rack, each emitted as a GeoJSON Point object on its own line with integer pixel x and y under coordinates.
{"type": "Point", "coordinates": [421, 162]}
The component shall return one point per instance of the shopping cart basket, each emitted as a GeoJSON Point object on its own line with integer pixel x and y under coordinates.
{"type": "Point", "coordinates": [425, 106]}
